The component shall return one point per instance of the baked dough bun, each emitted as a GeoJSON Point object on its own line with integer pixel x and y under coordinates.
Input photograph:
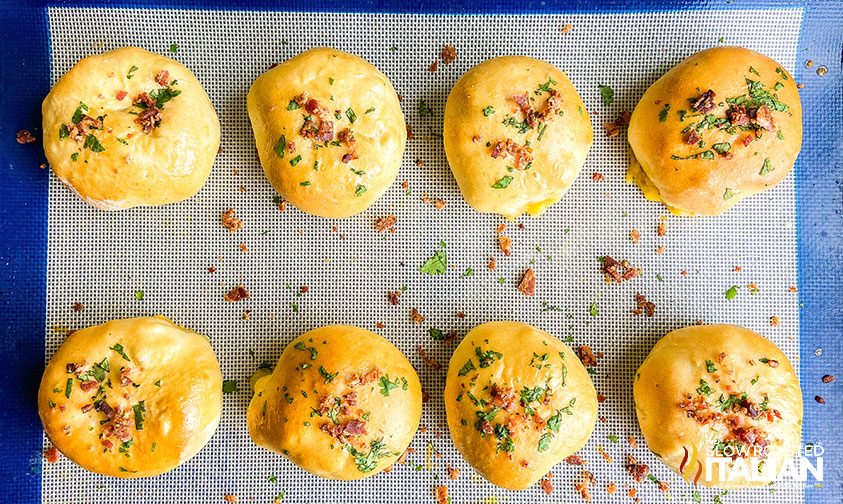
{"type": "Point", "coordinates": [518, 402]}
{"type": "Point", "coordinates": [131, 398]}
{"type": "Point", "coordinates": [329, 131]}
{"type": "Point", "coordinates": [706, 390]}
{"type": "Point", "coordinates": [342, 403]}
{"type": "Point", "coordinates": [700, 153]}
{"type": "Point", "coordinates": [129, 128]}
{"type": "Point", "coordinates": [516, 135]}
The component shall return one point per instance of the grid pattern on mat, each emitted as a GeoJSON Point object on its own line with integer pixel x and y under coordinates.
{"type": "Point", "coordinates": [101, 259]}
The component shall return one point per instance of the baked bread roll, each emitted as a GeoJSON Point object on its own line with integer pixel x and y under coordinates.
{"type": "Point", "coordinates": [131, 398]}
{"type": "Point", "coordinates": [518, 401]}
{"type": "Point", "coordinates": [129, 128]}
{"type": "Point", "coordinates": [722, 125]}
{"type": "Point", "coordinates": [516, 135]}
{"type": "Point", "coordinates": [719, 391]}
{"type": "Point", "coordinates": [329, 131]}
{"type": "Point", "coordinates": [342, 403]}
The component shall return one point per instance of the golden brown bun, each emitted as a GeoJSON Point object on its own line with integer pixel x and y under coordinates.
{"type": "Point", "coordinates": [477, 107]}
{"type": "Point", "coordinates": [342, 403]}
{"type": "Point", "coordinates": [163, 383]}
{"type": "Point", "coordinates": [522, 370]}
{"type": "Point", "coordinates": [756, 159]}
{"type": "Point", "coordinates": [311, 173]}
{"type": "Point", "coordinates": [697, 369]}
{"type": "Point", "coordinates": [168, 164]}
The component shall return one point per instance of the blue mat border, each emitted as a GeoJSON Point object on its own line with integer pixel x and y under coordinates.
{"type": "Point", "coordinates": [24, 81]}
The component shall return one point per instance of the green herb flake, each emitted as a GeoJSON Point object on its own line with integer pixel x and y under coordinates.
{"type": "Point", "coordinates": [120, 351]}
{"type": "Point", "coordinates": [722, 148]}
{"type": "Point", "coordinates": [351, 115]}
{"type": "Point", "coordinates": [329, 377]}
{"type": "Point", "coordinates": [767, 167]}
{"type": "Point", "coordinates": [704, 388]}
{"type": "Point", "coordinates": [488, 357]}
{"type": "Point", "coordinates": [710, 367]}
{"type": "Point", "coordinates": [593, 310]}
{"type": "Point", "coordinates": [782, 73]}
{"type": "Point", "coordinates": [728, 194]}
{"type": "Point", "coordinates": [386, 386]}
{"type": "Point", "coordinates": [754, 71]}
{"type": "Point", "coordinates": [174, 48]}
{"type": "Point", "coordinates": [163, 95]}
{"type": "Point", "coordinates": [139, 409]}
{"type": "Point", "coordinates": [503, 183]}
{"type": "Point", "coordinates": [139, 295]}
{"type": "Point", "coordinates": [281, 146]}
{"type": "Point", "coordinates": [424, 109]}
{"type": "Point", "coordinates": [778, 86]}
{"type": "Point", "coordinates": [229, 386]}
{"type": "Point", "coordinates": [129, 74]}
{"type": "Point", "coordinates": [663, 112]}
{"type": "Point", "coordinates": [301, 346]}
{"type": "Point", "coordinates": [436, 333]}
{"type": "Point", "coordinates": [607, 94]}
{"type": "Point", "coordinates": [63, 132]}
{"type": "Point", "coordinates": [93, 143]}
{"type": "Point", "coordinates": [295, 160]}
{"type": "Point", "coordinates": [489, 110]}
{"type": "Point", "coordinates": [304, 183]}
{"type": "Point", "coordinates": [68, 388]}
{"type": "Point", "coordinates": [360, 190]}
{"type": "Point", "coordinates": [732, 292]}
{"type": "Point", "coordinates": [613, 438]}
{"type": "Point", "coordinates": [293, 105]}
{"type": "Point", "coordinates": [467, 368]}
{"type": "Point", "coordinates": [74, 156]}
{"type": "Point", "coordinates": [544, 442]}
{"type": "Point", "coordinates": [437, 264]}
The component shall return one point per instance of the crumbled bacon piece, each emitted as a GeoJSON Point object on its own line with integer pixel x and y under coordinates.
{"type": "Point", "coordinates": [587, 356]}
{"type": "Point", "coordinates": [428, 360]}
{"type": "Point", "coordinates": [597, 177]}
{"type": "Point", "coordinates": [439, 203]}
{"type": "Point", "coordinates": [409, 132]}
{"type": "Point", "coordinates": [737, 115]}
{"type": "Point", "coordinates": [79, 131]}
{"type": "Point", "coordinates": [433, 67]}
{"type": "Point", "coordinates": [448, 54]}
{"type": "Point", "coordinates": [229, 498]}
{"type": "Point", "coordinates": [828, 378]}
{"type": "Point", "coordinates": [317, 125]}
{"type": "Point", "coordinates": [527, 284]}
{"type": "Point", "coordinates": [575, 460]}
{"type": "Point", "coordinates": [613, 129]}
{"type": "Point", "coordinates": [442, 495]}
{"type": "Point", "coordinates": [86, 408]}
{"type": "Point", "coordinates": [52, 455]}
{"type": "Point", "coordinates": [637, 470]}
{"type": "Point", "coordinates": [416, 316]}
{"type": "Point", "coordinates": [230, 222]}
{"type": "Point", "coordinates": [617, 272]}
{"type": "Point", "coordinates": [547, 486]}
{"type": "Point", "coordinates": [692, 138]}
{"type": "Point", "coordinates": [120, 95]}
{"type": "Point", "coordinates": [392, 297]}
{"type": "Point", "coordinates": [89, 385]}
{"type": "Point", "coordinates": [505, 244]}
{"type": "Point", "coordinates": [150, 117]}
{"type": "Point", "coordinates": [699, 409]}
{"type": "Point", "coordinates": [661, 230]}
{"type": "Point", "coordinates": [586, 479]}
{"type": "Point", "coordinates": [386, 223]}
{"type": "Point", "coordinates": [764, 118]}
{"type": "Point", "coordinates": [24, 137]}
{"type": "Point", "coordinates": [238, 293]}
{"type": "Point", "coordinates": [77, 306]}
{"type": "Point", "coordinates": [492, 264]}
{"type": "Point", "coordinates": [163, 78]}
{"type": "Point", "coordinates": [705, 102]}
{"type": "Point", "coordinates": [634, 236]}
{"type": "Point", "coordinates": [453, 472]}
{"type": "Point", "coordinates": [522, 155]}
{"type": "Point", "coordinates": [661, 249]}
{"type": "Point", "coordinates": [355, 428]}
{"type": "Point", "coordinates": [774, 321]}
{"type": "Point", "coordinates": [642, 306]}
{"type": "Point", "coordinates": [504, 397]}
{"type": "Point", "coordinates": [358, 380]}
{"type": "Point", "coordinates": [346, 137]}
{"type": "Point", "coordinates": [820, 399]}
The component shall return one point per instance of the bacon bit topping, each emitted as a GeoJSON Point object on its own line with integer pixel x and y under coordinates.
{"type": "Point", "coordinates": [792, 288]}
{"type": "Point", "coordinates": [442, 495]}
{"type": "Point", "coordinates": [77, 307]}
{"type": "Point", "coordinates": [409, 133]}
{"type": "Point", "coordinates": [699, 409]}
{"type": "Point", "coordinates": [346, 137]}
{"type": "Point", "coordinates": [705, 102]}
{"type": "Point", "coordinates": [617, 272]}
{"type": "Point", "coordinates": [125, 381]}
{"type": "Point", "coordinates": [774, 321]}
{"type": "Point", "coordinates": [416, 316]}
{"type": "Point", "coordinates": [439, 203]}
{"type": "Point", "coordinates": [52, 455]}
{"type": "Point", "coordinates": [281, 203]}
{"type": "Point", "coordinates": [505, 244]}
{"type": "Point", "coordinates": [433, 67]}
{"type": "Point", "coordinates": [24, 137]}
{"type": "Point", "coordinates": [773, 363]}
{"type": "Point", "coordinates": [692, 138]}
{"type": "Point", "coordinates": [492, 263]}
{"type": "Point", "coordinates": [764, 118]}
{"type": "Point", "coordinates": [828, 378]}
{"type": "Point", "coordinates": [453, 472]}
{"type": "Point", "coordinates": [587, 356]}
{"type": "Point", "coordinates": [547, 486]}
{"type": "Point", "coordinates": [150, 117]}
{"type": "Point", "coordinates": [121, 95]}
{"type": "Point", "coordinates": [642, 306]}
{"type": "Point", "coordinates": [597, 177]}
{"type": "Point", "coordinates": [80, 130]}
{"type": "Point", "coordinates": [634, 236]}
{"type": "Point", "coordinates": [402, 459]}
{"type": "Point", "coordinates": [635, 469]}
{"type": "Point", "coordinates": [89, 385]}
{"type": "Point", "coordinates": [819, 399]}
{"type": "Point", "coordinates": [428, 360]}
{"type": "Point", "coordinates": [522, 155]}
{"type": "Point", "coordinates": [575, 460]}
{"type": "Point", "coordinates": [386, 223]}
{"type": "Point", "coordinates": [661, 249]}
{"type": "Point", "coordinates": [230, 222]}
{"type": "Point", "coordinates": [238, 293]}
{"type": "Point", "coordinates": [392, 297]}
{"type": "Point", "coordinates": [527, 284]}
{"type": "Point", "coordinates": [504, 397]}
{"type": "Point", "coordinates": [358, 380]}
{"type": "Point", "coordinates": [229, 498]}
{"type": "Point", "coordinates": [613, 129]}
{"type": "Point", "coordinates": [475, 138]}
{"type": "Point", "coordinates": [737, 115]}
{"type": "Point", "coordinates": [448, 54]}
{"type": "Point", "coordinates": [586, 479]}
{"type": "Point", "coordinates": [163, 78]}
{"type": "Point", "coordinates": [661, 230]}
{"type": "Point", "coordinates": [604, 454]}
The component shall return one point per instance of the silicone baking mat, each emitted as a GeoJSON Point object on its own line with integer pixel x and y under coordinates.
{"type": "Point", "coordinates": [156, 260]}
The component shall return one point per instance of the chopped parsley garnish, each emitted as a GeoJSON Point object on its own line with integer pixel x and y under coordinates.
{"type": "Point", "coordinates": [731, 401]}
{"type": "Point", "coordinates": [329, 377]}
{"type": "Point", "coordinates": [468, 272]}
{"type": "Point", "coordinates": [546, 86]}
{"type": "Point", "coordinates": [467, 368]}
{"type": "Point", "coordinates": [488, 357]}
{"type": "Point", "coordinates": [485, 416]}
{"type": "Point", "coordinates": [437, 264]}
{"type": "Point", "coordinates": [74, 156]}
{"type": "Point", "coordinates": [367, 462]}
{"type": "Point", "coordinates": [781, 73]}
{"type": "Point", "coordinates": [704, 388]}
{"type": "Point", "coordinates": [229, 386]}
{"type": "Point", "coordinates": [305, 183]}
{"type": "Point", "coordinates": [386, 385]}
{"type": "Point", "coordinates": [722, 148]}
{"type": "Point", "coordinates": [63, 132]}
{"type": "Point", "coordinates": [68, 387]}
{"type": "Point", "coordinates": [489, 110]}
{"type": "Point", "coordinates": [424, 109]}
{"type": "Point", "coordinates": [130, 74]}
{"type": "Point", "coordinates": [295, 160]}
{"type": "Point", "coordinates": [360, 190]}
{"type": "Point", "coordinates": [732, 292]}
{"type": "Point", "coordinates": [754, 71]}
{"type": "Point", "coordinates": [174, 48]}
{"type": "Point", "coordinates": [79, 113]}
{"type": "Point", "coordinates": [119, 349]}
{"type": "Point", "coordinates": [778, 86]}
{"type": "Point", "coordinates": [505, 443]}
{"type": "Point", "coordinates": [100, 370]}
{"type": "Point", "coordinates": [436, 334]}
{"type": "Point", "coordinates": [369, 110]}
{"type": "Point", "coordinates": [351, 115]}
{"type": "Point", "coordinates": [613, 438]}
{"type": "Point", "coordinates": [293, 105]}
{"type": "Point", "coordinates": [766, 168]}
{"type": "Point", "coordinates": [503, 183]}
{"type": "Point", "coordinates": [593, 311]}
{"type": "Point", "coordinates": [163, 95]}
{"type": "Point", "coordinates": [709, 366]}
{"type": "Point", "coordinates": [93, 143]}
{"type": "Point", "coordinates": [607, 93]}
{"type": "Point", "coordinates": [663, 112]}
{"type": "Point", "coordinates": [281, 146]}
{"type": "Point", "coordinates": [139, 410]}
{"type": "Point", "coordinates": [301, 346]}
{"type": "Point", "coordinates": [728, 194]}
